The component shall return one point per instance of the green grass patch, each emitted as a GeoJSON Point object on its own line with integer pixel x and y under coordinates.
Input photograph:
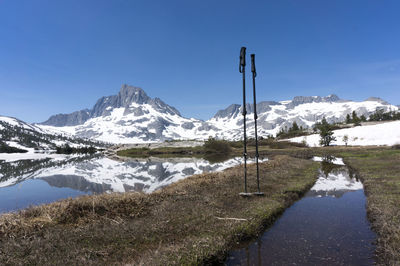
{"type": "Point", "coordinates": [213, 148]}
{"type": "Point", "coordinates": [379, 169]}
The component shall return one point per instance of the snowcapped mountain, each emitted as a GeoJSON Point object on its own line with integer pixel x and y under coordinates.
{"type": "Point", "coordinates": [16, 134]}
{"type": "Point", "coordinates": [129, 117]}
{"type": "Point", "coordinates": [305, 111]}
{"type": "Point", "coordinates": [133, 117]}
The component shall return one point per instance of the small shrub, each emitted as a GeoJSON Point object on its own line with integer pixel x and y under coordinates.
{"type": "Point", "coordinates": [213, 145]}
{"type": "Point", "coordinates": [236, 144]}
{"type": "Point", "coordinates": [286, 144]}
{"type": "Point", "coordinates": [304, 142]}
{"type": "Point", "coordinates": [345, 139]}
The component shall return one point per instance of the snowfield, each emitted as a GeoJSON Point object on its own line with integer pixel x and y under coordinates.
{"type": "Point", "coordinates": [380, 134]}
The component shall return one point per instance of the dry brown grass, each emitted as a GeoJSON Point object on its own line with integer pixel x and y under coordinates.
{"type": "Point", "coordinates": [380, 172]}
{"type": "Point", "coordinates": [180, 224]}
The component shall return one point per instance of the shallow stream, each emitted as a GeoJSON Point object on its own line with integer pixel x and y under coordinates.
{"type": "Point", "coordinates": [328, 226]}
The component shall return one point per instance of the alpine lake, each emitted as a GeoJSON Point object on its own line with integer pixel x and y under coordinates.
{"type": "Point", "coordinates": [41, 178]}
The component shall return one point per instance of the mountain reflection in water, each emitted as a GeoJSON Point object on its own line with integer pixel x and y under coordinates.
{"type": "Point", "coordinates": [69, 176]}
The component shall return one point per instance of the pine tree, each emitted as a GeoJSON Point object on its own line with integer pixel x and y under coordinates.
{"type": "Point", "coordinates": [294, 127]}
{"type": "Point", "coordinates": [326, 133]}
{"type": "Point", "coordinates": [355, 118]}
{"type": "Point", "coordinates": [348, 119]}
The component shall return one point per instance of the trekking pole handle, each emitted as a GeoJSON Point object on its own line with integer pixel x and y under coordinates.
{"type": "Point", "coordinates": [242, 61]}
{"type": "Point", "coordinates": [253, 64]}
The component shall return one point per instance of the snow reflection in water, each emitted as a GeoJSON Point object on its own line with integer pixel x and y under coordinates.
{"type": "Point", "coordinates": [327, 226]}
{"type": "Point", "coordinates": [26, 182]}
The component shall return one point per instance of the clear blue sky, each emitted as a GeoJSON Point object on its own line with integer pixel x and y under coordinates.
{"type": "Point", "coordinates": [61, 56]}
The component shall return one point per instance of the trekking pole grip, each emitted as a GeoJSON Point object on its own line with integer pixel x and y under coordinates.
{"type": "Point", "coordinates": [253, 64]}
{"type": "Point", "coordinates": [242, 61]}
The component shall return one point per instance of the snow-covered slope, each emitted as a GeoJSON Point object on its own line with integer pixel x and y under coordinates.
{"type": "Point", "coordinates": [18, 134]}
{"type": "Point", "coordinates": [150, 125]}
{"type": "Point", "coordinates": [305, 111]}
{"type": "Point", "coordinates": [380, 134]}
{"type": "Point", "coordinates": [133, 117]}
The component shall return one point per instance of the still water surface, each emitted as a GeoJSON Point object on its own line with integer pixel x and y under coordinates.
{"type": "Point", "coordinates": [51, 177]}
{"type": "Point", "coordinates": [328, 226]}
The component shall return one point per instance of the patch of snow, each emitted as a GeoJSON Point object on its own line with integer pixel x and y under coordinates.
{"type": "Point", "coordinates": [19, 146]}
{"type": "Point", "coordinates": [12, 157]}
{"type": "Point", "coordinates": [385, 134]}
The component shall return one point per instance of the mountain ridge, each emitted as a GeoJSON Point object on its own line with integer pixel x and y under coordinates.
{"type": "Point", "coordinates": [130, 94]}
{"type": "Point", "coordinates": [133, 117]}
{"type": "Point", "coordinates": [126, 96]}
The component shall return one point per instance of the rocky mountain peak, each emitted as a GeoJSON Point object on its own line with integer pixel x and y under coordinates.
{"type": "Point", "coordinates": [230, 111]}
{"type": "Point", "coordinates": [126, 97]}
{"type": "Point", "coordinates": [377, 99]}
{"type": "Point", "coordinates": [129, 94]}
{"type": "Point", "coordinates": [161, 106]}
{"type": "Point", "coordinates": [72, 119]}
{"type": "Point", "coordinates": [236, 109]}
{"type": "Point", "coordinates": [332, 98]}
{"type": "Point", "coordinates": [298, 100]}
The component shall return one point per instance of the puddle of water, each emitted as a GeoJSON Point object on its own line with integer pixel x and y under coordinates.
{"type": "Point", "coordinates": [46, 179]}
{"type": "Point", "coordinates": [328, 226]}
{"type": "Point", "coordinates": [329, 159]}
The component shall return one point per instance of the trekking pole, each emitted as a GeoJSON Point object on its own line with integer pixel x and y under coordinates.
{"type": "Point", "coordinates": [242, 66]}
{"type": "Point", "coordinates": [253, 70]}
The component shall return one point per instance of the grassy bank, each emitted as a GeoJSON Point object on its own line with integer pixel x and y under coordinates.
{"type": "Point", "coordinates": [379, 170]}
{"type": "Point", "coordinates": [173, 151]}
{"type": "Point", "coordinates": [217, 148]}
{"type": "Point", "coordinates": [196, 220]}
